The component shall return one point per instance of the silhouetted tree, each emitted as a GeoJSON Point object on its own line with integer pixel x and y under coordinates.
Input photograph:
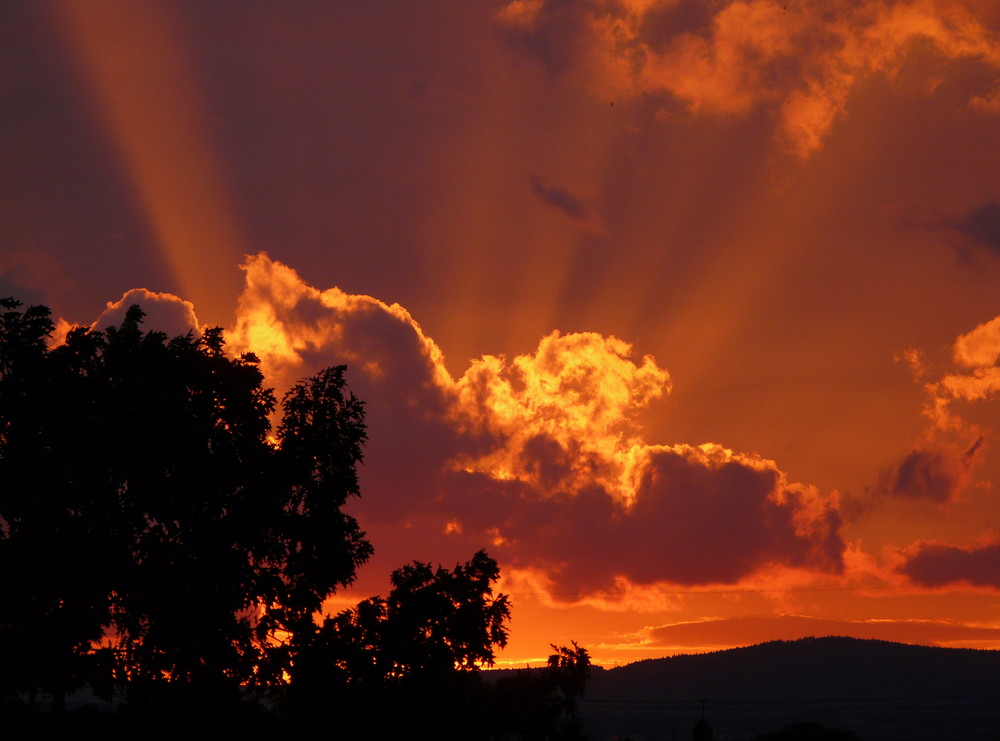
{"type": "Point", "coordinates": [570, 670]}
{"type": "Point", "coordinates": [416, 651]}
{"type": "Point", "coordinates": [542, 703]}
{"type": "Point", "coordinates": [52, 553]}
{"type": "Point", "coordinates": [142, 500]}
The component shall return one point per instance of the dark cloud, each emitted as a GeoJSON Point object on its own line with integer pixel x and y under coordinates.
{"type": "Point", "coordinates": [695, 520]}
{"type": "Point", "coordinates": [938, 564]}
{"type": "Point", "coordinates": [938, 473]}
{"type": "Point", "coordinates": [982, 224]}
{"type": "Point", "coordinates": [560, 199]}
{"type": "Point", "coordinates": [390, 367]}
{"type": "Point", "coordinates": [720, 520]}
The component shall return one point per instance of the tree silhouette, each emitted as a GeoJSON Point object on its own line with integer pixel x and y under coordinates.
{"type": "Point", "coordinates": [542, 703]}
{"type": "Point", "coordinates": [413, 655]}
{"type": "Point", "coordinates": [157, 539]}
{"type": "Point", "coordinates": [144, 508]}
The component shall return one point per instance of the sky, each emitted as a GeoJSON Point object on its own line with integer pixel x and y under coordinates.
{"type": "Point", "coordinates": [685, 310]}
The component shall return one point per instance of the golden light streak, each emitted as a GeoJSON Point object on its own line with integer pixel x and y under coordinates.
{"type": "Point", "coordinates": [135, 60]}
{"type": "Point", "coordinates": [508, 255]}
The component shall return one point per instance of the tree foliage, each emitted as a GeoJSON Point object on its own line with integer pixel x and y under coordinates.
{"type": "Point", "coordinates": [433, 622]}
{"type": "Point", "coordinates": [411, 656]}
{"type": "Point", "coordinates": [542, 703]}
{"type": "Point", "coordinates": [144, 506]}
{"type": "Point", "coordinates": [157, 536]}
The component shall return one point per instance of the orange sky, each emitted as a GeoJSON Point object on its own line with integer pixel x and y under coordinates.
{"type": "Point", "coordinates": [686, 310]}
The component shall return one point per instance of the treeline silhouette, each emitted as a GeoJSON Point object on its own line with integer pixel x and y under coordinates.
{"type": "Point", "coordinates": [165, 549]}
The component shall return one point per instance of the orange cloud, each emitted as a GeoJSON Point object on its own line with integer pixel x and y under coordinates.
{"type": "Point", "coordinates": [291, 326]}
{"type": "Point", "coordinates": [977, 352]}
{"type": "Point", "coordinates": [800, 59]}
{"type": "Point", "coordinates": [564, 415]}
{"type": "Point", "coordinates": [539, 457]}
{"type": "Point", "coordinates": [975, 379]}
{"type": "Point", "coordinates": [165, 312]}
{"type": "Point", "coordinates": [940, 467]}
{"type": "Point", "coordinates": [543, 459]}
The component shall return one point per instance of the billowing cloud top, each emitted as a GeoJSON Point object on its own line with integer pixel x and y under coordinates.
{"type": "Point", "coordinates": [538, 457]}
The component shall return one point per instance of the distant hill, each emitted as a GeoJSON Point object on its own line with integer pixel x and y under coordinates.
{"type": "Point", "coordinates": [880, 690]}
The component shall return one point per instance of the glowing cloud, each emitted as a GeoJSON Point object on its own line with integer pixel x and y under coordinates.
{"type": "Point", "coordinates": [164, 312]}
{"type": "Point", "coordinates": [715, 633]}
{"type": "Point", "coordinates": [941, 465]}
{"type": "Point", "coordinates": [539, 457]}
{"type": "Point", "coordinates": [800, 58]}
{"type": "Point", "coordinates": [976, 354]}
{"type": "Point", "coordinates": [562, 417]}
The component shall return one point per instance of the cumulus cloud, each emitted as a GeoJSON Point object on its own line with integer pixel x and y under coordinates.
{"type": "Point", "coordinates": [979, 348]}
{"type": "Point", "coordinates": [165, 312]}
{"type": "Point", "coordinates": [802, 59]}
{"type": "Point", "coordinates": [538, 457]}
{"type": "Point", "coordinates": [394, 367]}
{"type": "Point", "coordinates": [940, 469]}
{"type": "Point", "coordinates": [936, 564]}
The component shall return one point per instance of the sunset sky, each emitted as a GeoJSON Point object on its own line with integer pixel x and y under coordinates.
{"type": "Point", "coordinates": [688, 311]}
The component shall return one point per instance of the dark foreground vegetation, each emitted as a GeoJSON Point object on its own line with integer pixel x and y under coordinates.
{"type": "Point", "coordinates": [166, 552]}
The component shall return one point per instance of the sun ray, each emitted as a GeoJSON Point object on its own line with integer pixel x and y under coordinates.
{"type": "Point", "coordinates": [135, 61]}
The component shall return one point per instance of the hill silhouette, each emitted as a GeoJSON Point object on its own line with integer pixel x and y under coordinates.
{"type": "Point", "coordinates": [882, 691]}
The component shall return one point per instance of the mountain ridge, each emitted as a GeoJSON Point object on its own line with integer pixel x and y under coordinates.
{"type": "Point", "coordinates": [879, 689]}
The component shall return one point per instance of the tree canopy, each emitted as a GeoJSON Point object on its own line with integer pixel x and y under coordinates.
{"type": "Point", "coordinates": [145, 507]}
{"type": "Point", "coordinates": [160, 540]}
